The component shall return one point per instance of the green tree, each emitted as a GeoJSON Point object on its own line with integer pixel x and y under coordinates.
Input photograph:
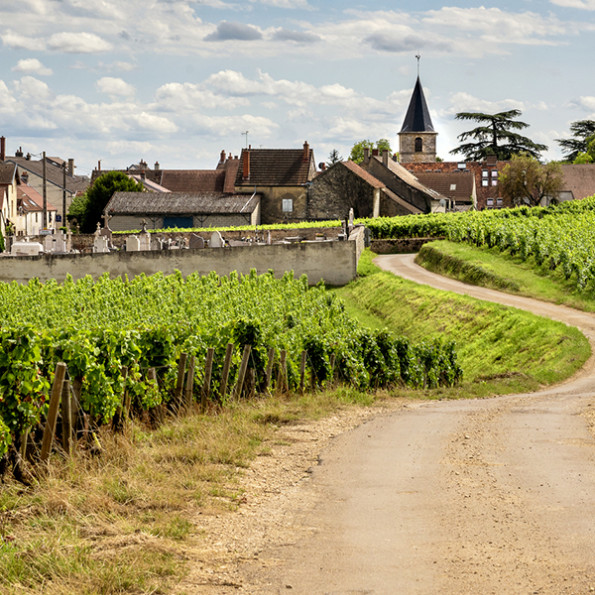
{"type": "Point", "coordinates": [583, 132]}
{"type": "Point", "coordinates": [90, 207]}
{"type": "Point", "coordinates": [526, 181]}
{"type": "Point", "coordinates": [357, 151]}
{"type": "Point", "coordinates": [495, 136]}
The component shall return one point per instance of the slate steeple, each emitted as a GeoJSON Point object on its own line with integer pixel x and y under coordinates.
{"type": "Point", "coordinates": [417, 139]}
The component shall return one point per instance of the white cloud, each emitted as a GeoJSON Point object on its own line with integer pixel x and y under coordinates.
{"type": "Point", "coordinates": [464, 102]}
{"type": "Point", "coordinates": [33, 66]}
{"type": "Point", "coordinates": [8, 103]}
{"type": "Point", "coordinates": [115, 87]}
{"type": "Point", "coordinates": [78, 43]}
{"type": "Point", "coordinates": [587, 102]}
{"type": "Point", "coordinates": [21, 42]}
{"type": "Point", "coordinates": [583, 4]}
{"type": "Point", "coordinates": [190, 96]}
{"type": "Point", "coordinates": [30, 88]}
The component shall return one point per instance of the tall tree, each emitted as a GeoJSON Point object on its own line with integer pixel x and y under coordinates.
{"type": "Point", "coordinates": [525, 181]}
{"type": "Point", "coordinates": [582, 131]}
{"type": "Point", "coordinates": [334, 157]}
{"type": "Point", "coordinates": [495, 136]}
{"type": "Point", "coordinates": [357, 151]}
{"type": "Point", "coordinates": [90, 208]}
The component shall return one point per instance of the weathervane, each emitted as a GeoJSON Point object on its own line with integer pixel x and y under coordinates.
{"type": "Point", "coordinates": [418, 58]}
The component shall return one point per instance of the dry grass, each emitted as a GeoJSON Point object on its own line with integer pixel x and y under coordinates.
{"type": "Point", "coordinates": [121, 521]}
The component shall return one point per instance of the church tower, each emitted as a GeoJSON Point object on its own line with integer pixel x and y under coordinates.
{"type": "Point", "coordinates": [417, 139]}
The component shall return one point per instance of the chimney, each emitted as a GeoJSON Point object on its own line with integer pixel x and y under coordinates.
{"type": "Point", "coordinates": [246, 164]}
{"type": "Point", "coordinates": [19, 153]}
{"type": "Point", "coordinates": [2, 148]}
{"type": "Point", "coordinates": [99, 165]}
{"type": "Point", "coordinates": [306, 156]}
{"type": "Point", "coordinates": [374, 152]}
{"type": "Point", "coordinates": [71, 167]}
{"type": "Point", "coordinates": [222, 158]}
{"type": "Point", "coordinates": [385, 156]}
{"type": "Point", "coordinates": [25, 177]}
{"type": "Point", "coordinates": [366, 154]}
{"type": "Point", "coordinates": [156, 166]}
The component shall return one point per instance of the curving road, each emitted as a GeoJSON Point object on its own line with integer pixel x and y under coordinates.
{"type": "Point", "coordinates": [453, 497]}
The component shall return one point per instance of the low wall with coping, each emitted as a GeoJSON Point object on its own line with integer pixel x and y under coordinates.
{"type": "Point", "coordinates": [334, 262]}
{"type": "Point", "coordinates": [400, 245]}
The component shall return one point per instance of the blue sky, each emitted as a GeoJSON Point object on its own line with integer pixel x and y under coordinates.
{"type": "Point", "coordinates": [177, 81]}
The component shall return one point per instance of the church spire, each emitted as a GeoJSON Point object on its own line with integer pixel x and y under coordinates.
{"type": "Point", "coordinates": [418, 117]}
{"type": "Point", "coordinates": [417, 139]}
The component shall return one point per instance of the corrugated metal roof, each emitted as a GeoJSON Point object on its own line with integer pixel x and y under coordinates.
{"type": "Point", "coordinates": [157, 203]}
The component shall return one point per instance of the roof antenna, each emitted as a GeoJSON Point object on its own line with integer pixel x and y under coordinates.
{"type": "Point", "coordinates": [246, 135]}
{"type": "Point", "coordinates": [418, 58]}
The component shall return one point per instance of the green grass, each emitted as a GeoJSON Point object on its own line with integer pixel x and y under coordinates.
{"type": "Point", "coordinates": [491, 268]}
{"type": "Point", "coordinates": [501, 350]}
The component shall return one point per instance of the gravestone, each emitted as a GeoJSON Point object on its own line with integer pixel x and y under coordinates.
{"type": "Point", "coordinates": [217, 240]}
{"type": "Point", "coordinates": [132, 244]}
{"type": "Point", "coordinates": [196, 242]}
{"type": "Point", "coordinates": [100, 245]}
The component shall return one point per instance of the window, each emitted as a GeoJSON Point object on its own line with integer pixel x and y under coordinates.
{"type": "Point", "coordinates": [490, 202]}
{"type": "Point", "coordinates": [495, 182]}
{"type": "Point", "coordinates": [499, 202]}
{"type": "Point", "coordinates": [453, 187]}
{"type": "Point", "coordinates": [419, 145]}
{"type": "Point", "coordinates": [494, 173]}
{"type": "Point", "coordinates": [485, 173]}
{"type": "Point", "coordinates": [485, 183]}
{"type": "Point", "coordinates": [287, 205]}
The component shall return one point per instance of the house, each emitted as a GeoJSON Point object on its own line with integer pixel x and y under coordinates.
{"type": "Point", "coordinates": [458, 186]}
{"type": "Point", "coordinates": [341, 187]}
{"type": "Point", "coordinates": [404, 193]}
{"type": "Point", "coordinates": [8, 195]}
{"type": "Point", "coordinates": [29, 219]}
{"type": "Point", "coordinates": [281, 178]}
{"type": "Point", "coordinates": [61, 184]}
{"type": "Point", "coordinates": [578, 181]}
{"type": "Point", "coordinates": [485, 179]}
{"type": "Point", "coordinates": [160, 210]}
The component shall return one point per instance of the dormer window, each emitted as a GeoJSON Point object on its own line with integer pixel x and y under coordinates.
{"type": "Point", "coordinates": [419, 146]}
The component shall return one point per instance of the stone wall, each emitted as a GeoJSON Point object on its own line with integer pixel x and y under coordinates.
{"type": "Point", "coordinates": [334, 262]}
{"type": "Point", "coordinates": [400, 245]}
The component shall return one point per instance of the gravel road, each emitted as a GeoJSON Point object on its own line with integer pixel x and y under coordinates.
{"type": "Point", "coordinates": [449, 497]}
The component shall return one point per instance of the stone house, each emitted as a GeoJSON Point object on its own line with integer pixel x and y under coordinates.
{"type": "Point", "coordinates": [404, 194]}
{"type": "Point", "coordinates": [281, 178]}
{"type": "Point", "coordinates": [341, 187]}
{"type": "Point", "coordinates": [127, 210]}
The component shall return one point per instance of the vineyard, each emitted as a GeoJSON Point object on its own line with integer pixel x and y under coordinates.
{"type": "Point", "coordinates": [122, 342]}
{"type": "Point", "coordinates": [557, 238]}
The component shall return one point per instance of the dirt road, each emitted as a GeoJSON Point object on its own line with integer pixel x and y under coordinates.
{"type": "Point", "coordinates": [453, 497]}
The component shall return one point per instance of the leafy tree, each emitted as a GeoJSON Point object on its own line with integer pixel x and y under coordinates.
{"type": "Point", "coordinates": [334, 157]}
{"type": "Point", "coordinates": [90, 208]}
{"type": "Point", "coordinates": [357, 151]}
{"type": "Point", "coordinates": [526, 181]}
{"type": "Point", "coordinates": [495, 136]}
{"type": "Point", "coordinates": [583, 132]}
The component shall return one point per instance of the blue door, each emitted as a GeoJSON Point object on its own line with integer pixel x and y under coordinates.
{"type": "Point", "coordinates": [177, 222]}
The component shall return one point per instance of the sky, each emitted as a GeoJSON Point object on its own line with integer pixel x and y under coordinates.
{"type": "Point", "coordinates": [177, 81]}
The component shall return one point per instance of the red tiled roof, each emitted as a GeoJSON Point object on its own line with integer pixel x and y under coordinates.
{"type": "Point", "coordinates": [31, 200]}
{"type": "Point", "coordinates": [192, 180]}
{"type": "Point", "coordinates": [456, 185]}
{"type": "Point", "coordinates": [276, 167]}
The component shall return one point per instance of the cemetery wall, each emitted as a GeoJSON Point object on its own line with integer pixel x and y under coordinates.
{"type": "Point", "coordinates": [333, 261]}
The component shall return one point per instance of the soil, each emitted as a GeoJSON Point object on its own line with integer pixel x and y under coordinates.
{"type": "Point", "coordinates": [450, 497]}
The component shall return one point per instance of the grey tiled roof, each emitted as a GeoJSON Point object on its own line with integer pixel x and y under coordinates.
{"type": "Point", "coordinates": [54, 173]}
{"type": "Point", "coordinates": [158, 203]}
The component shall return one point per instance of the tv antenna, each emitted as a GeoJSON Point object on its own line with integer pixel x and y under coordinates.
{"type": "Point", "coordinates": [246, 135]}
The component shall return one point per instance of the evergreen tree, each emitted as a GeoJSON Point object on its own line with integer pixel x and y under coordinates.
{"type": "Point", "coordinates": [495, 136]}
{"type": "Point", "coordinates": [583, 132]}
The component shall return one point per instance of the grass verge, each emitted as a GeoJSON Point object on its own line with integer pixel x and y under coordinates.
{"type": "Point", "coordinates": [491, 268]}
{"type": "Point", "coordinates": [501, 350]}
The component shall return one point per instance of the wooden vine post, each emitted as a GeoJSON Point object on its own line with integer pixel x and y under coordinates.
{"type": "Point", "coordinates": [180, 381]}
{"type": "Point", "coordinates": [50, 426]}
{"type": "Point", "coordinates": [206, 385]}
{"type": "Point", "coordinates": [303, 371]}
{"type": "Point", "coordinates": [242, 372]}
{"type": "Point", "coordinates": [282, 378]}
{"type": "Point", "coordinates": [190, 381]}
{"type": "Point", "coordinates": [225, 372]}
{"type": "Point", "coordinates": [269, 369]}
{"type": "Point", "coordinates": [67, 424]}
